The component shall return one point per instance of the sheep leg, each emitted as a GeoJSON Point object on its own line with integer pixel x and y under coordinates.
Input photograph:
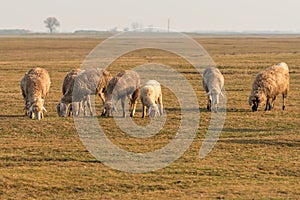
{"type": "Point", "coordinates": [208, 104]}
{"type": "Point", "coordinates": [161, 109]}
{"type": "Point", "coordinates": [133, 109]}
{"type": "Point", "coordinates": [80, 107]}
{"type": "Point", "coordinates": [133, 104]}
{"type": "Point", "coordinates": [268, 106]}
{"type": "Point", "coordinates": [84, 106]}
{"type": "Point", "coordinates": [133, 101]}
{"type": "Point", "coordinates": [144, 111]}
{"type": "Point", "coordinates": [76, 106]}
{"type": "Point", "coordinates": [273, 102]}
{"type": "Point", "coordinates": [103, 111]}
{"type": "Point", "coordinates": [69, 110]}
{"type": "Point", "coordinates": [102, 97]}
{"type": "Point", "coordinates": [283, 102]}
{"type": "Point", "coordinates": [123, 106]}
{"type": "Point", "coordinates": [255, 106]}
{"type": "Point", "coordinates": [89, 105]}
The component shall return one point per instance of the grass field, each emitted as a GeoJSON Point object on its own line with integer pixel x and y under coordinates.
{"type": "Point", "coordinates": [256, 157]}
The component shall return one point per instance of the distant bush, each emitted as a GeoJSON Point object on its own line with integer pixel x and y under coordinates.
{"type": "Point", "coordinates": [14, 31]}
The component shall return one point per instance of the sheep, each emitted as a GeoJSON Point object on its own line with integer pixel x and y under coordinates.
{"type": "Point", "coordinates": [35, 86]}
{"type": "Point", "coordinates": [62, 108]}
{"type": "Point", "coordinates": [88, 82]}
{"type": "Point", "coordinates": [268, 84]}
{"type": "Point", "coordinates": [125, 84]}
{"type": "Point", "coordinates": [213, 83]}
{"type": "Point", "coordinates": [150, 96]}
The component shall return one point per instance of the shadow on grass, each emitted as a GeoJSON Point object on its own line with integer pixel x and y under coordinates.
{"type": "Point", "coordinates": [11, 116]}
{"type": "Point", "coordinates": [203, 109]}
{"type": "Point", "coordinates": [44, 159]}
{"type": "Point", "coordinates": [245, 130]}
{"type": "Point", "coordinates": [238, 110]}
{"type": "Point", "coordinates": [188, 109]}
{"type": "Point", "coordinates": [295, 143]}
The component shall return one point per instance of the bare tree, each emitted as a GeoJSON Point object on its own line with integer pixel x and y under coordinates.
{"type": "Point", "coordinates": [51, 24]}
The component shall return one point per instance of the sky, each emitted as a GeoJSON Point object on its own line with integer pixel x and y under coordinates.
{"type": "Point", "coordinates": [184, 15]}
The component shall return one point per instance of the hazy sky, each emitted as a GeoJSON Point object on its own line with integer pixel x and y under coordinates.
{"type": "Point", "coordinates": [185, 15]}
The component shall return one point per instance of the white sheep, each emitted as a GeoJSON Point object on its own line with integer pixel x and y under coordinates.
{"type": "Point", "coordinates": [88, 82]}
{"type": "Point", "coordinates": [35, 86]}
{"type": "Point", "coordinates": [213, 83]}
{"type": "Point", "coordinates": [151, 96]}
{"type": "Point", "coordinates": [268, 84]}
{"type": "Point", "coordinates": [125, 84]}
{"type": "Point", "coordinates": [64, 109]}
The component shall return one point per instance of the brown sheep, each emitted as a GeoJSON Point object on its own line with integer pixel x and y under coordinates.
{"type": "Point", "coordinates": [35, 86]}
{"type": "Point", "coordinates": [268, 84]}
{"type": "Point", "coordinates": [66, 109]}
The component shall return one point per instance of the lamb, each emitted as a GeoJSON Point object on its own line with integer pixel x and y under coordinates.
{"type": "Point", "coordinates": [125, 84]}
{"type": "Point", "coordinates": [151, 95]}
{"type": "Point", "coordinates": [63, 108]}
{"type": "Point", "coordinates": [268, 84]}
{"type": "Point", "coordinates": [35, 86]}
{"type": "Point", "coordinates": [88, 82]}
{"type": "Point", "coordinates": [213, 83]}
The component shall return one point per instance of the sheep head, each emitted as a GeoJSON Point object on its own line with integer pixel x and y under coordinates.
{"type": "Point", "coordinates": [36, 110]}
{"type": "Point", "coordinates": [256, 99]}
{"type": "Point", "coordinates": [62, 109]}
{"type": "Point", "coordinates": [214, 98]}
{"type": "Point", "coordinates": [109, 108]}
{"type": "Point", "coordinates": [153, 111]}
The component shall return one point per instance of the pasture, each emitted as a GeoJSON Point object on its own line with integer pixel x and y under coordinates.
{"type": "Point", "coordinates": [256, 157]}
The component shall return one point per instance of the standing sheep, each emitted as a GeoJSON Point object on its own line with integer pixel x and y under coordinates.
{"type": "Point", "coordinates": [125, 84]}
{"type": "Point", "coordinates": [35, 86]}
{"type": "Point", "coordinates": [268, 84]}
{"type": "Point", "coordinates": [213, 83]}
{"type": "Point", "coordinates": [88, 82]}
{"type": "Point", "coordinates": [151, 95]}
{"type": "Point", "coordinates": [63, 108]}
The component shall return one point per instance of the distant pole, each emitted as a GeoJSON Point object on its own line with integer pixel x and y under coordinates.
{"type": "Point", "coordinates": [168, 24]}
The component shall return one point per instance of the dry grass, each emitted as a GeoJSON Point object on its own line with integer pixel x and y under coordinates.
{"type": "Point", "coordinates": [257, 156]}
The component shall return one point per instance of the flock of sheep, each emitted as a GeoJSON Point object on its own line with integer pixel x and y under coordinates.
{"type": "Point", "coordinates": [78, 85]}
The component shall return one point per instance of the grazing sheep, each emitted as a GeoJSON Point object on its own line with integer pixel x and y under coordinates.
{"type": "Point", "coordinates": [213, 83]}
{"type": "Point", "coordinates": [268, 84]}
{"type": "Point", "coordinates": [64, 109]}
{"type": "Point", "coordinates": [151, 95]}
{"type": "Point", "coordinates": [88, 82]}
{"type": "Point", "coordinates": [125, 84]}
{"type": "Point", "coordinates": [35, 86]}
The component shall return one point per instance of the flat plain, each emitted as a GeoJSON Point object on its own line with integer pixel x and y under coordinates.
{"type": "Point", "coordinates": [256, 157]}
